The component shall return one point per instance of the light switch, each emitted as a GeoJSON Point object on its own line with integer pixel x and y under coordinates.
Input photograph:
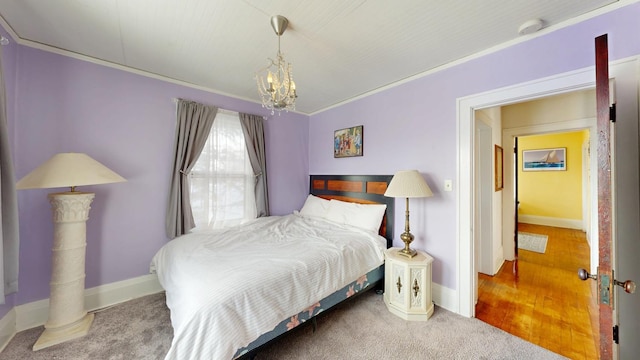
{"type": "Point", "coordinates": [448, 185]}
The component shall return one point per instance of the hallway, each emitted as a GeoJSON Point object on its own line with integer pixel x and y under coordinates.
{"type": "Point", "coordinates": [547, 304]}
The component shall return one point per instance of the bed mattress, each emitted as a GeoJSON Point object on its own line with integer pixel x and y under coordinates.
{"type": "Point", "coordinates": [227, 287]}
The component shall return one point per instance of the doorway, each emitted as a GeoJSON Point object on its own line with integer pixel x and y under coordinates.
{"type": "Point", "coordinates": [564, 83]}
{"type": "Point", "coordinates": [544, 302]}
{"type": "Point", "coordinates": [626, 207]}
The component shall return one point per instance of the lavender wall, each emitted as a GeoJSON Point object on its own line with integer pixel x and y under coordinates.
{"type": "Point", "coordinates": [413, 126]}
{"type": "Point", "coordinates": [127, 122]}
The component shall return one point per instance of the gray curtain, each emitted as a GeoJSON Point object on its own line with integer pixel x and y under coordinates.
{"type": "Point", "coordinates": [253, 129]}
{"type": "Point", "coordinates": [10, 239]}
{"type": "Point", "coordinates": [192, 130]}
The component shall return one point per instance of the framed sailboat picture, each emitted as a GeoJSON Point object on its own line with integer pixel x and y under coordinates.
{"type": "Point", "coordinates": [544, 159]}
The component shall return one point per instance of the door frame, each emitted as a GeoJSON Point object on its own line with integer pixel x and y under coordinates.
{"type": "Point", "coordinates": [558, 84]}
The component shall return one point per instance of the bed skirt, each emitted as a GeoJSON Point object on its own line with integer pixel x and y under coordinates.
{"type": "Point", "coordinates": [363, 283]}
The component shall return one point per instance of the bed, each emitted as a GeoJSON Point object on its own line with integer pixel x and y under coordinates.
{"type": "Point", "coordinates": [231, 291]}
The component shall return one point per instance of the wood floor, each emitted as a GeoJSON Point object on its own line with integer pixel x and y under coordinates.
{"type": "Point", "coordinates": [546, 303]}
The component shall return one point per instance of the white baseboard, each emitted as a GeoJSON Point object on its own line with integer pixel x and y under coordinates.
{"type": "Point", "coordinates": [445, 297]}
{"type": "Point", "coordinates": [115, 293]}
{"type": "Point", "coordinates": [31, 314]}
{"type": "Point", "coordinates": [7, 328]}
{"type": "Point", "coordinates": [550, 221]}
{"type": "Point", "coordinates": [35, 313]}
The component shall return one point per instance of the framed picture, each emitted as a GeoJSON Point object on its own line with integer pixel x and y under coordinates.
{"type": "Point", "coordinates": [499, 173]}
{"type": "Point", "coordinates": [348, 142]}
{"type": "Point", "coordinates": [544, 159]}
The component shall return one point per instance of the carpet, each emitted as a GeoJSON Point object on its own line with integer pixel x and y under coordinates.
{"type": "Point", "coordinates": [359, 329]}
{"type": "Point", "coordinates": [532, 242]}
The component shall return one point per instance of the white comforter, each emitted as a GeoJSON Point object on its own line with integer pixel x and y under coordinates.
{"type": "Point", "coordinates": [226, 288]}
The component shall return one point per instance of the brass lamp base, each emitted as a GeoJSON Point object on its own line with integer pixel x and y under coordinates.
{"type": "Point", "coordinates": [407, 238]}
{"type": "Point", "coordinates": [408, 253]}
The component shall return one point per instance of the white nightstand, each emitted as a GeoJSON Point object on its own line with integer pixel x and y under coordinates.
{"type": "Point", "coordinates": [407, 285]}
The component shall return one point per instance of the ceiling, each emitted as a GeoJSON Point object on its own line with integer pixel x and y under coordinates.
{"type": "Point", "coordinates": [339, 49]}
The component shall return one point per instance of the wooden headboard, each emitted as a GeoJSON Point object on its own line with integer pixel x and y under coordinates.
{"type": "Point", "coordinates": [363, 189]}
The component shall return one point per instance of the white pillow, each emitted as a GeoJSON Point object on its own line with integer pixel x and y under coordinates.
{"type": "Point", "coordinates": [315, 207]}
{"type": "Point", "coordinates": [363, 216]}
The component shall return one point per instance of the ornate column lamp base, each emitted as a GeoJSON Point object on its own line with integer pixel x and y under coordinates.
{"type": "Point", "coordinates": [67, 317]}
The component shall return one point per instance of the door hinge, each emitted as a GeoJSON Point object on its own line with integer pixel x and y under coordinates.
{"type": "Point", "coordinates": [615, 334]}
{"type": "Point", "coordinates": [612, 113]}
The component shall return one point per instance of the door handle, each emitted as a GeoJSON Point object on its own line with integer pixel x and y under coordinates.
{"type": "Point", "coordinates": [583, 274]}
{"type": "Point", "coordinates": [628, 286]}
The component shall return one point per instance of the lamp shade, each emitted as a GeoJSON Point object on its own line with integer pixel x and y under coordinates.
{"type": "Point", "coordinates": [68, 170]}
{"type": "Point", "coordinates": [408, 184]}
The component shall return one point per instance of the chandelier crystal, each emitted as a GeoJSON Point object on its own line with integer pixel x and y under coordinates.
{"type": "Point", "coordinates": [276, 87]}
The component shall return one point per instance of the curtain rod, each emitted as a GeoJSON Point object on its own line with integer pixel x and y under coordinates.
{"type": "Point", "coordinates": [224, 111]}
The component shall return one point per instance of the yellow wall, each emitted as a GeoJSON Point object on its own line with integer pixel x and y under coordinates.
{"type": "Point", "coordinates": [556, 194]}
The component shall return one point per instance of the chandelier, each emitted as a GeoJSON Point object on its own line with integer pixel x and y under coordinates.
{"type": "Point", "coordinates": [275, 84]}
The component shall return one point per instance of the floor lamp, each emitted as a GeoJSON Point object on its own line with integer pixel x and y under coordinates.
{"type": "Point", "coordinates": [68, 318]}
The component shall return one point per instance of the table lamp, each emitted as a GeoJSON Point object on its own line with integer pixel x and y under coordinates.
{"type": "Point", "coordinates": [68, 318]}
{"type": "Point", "coordinates": [407, 184]}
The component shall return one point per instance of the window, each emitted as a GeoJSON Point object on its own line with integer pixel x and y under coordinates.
{"type": "Point", "coordinates": [222, 180]}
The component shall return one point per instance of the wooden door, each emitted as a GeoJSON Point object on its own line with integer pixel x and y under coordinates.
{"type": "Point", "coordinates": [619, 210]}
{"type": "Point", "coordinates": [605, 208]}
{"type": "Point", "coordinates": [516, 205]}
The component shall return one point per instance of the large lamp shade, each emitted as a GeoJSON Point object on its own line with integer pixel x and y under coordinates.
{"type": "Point", "coordinates": [68, 170]}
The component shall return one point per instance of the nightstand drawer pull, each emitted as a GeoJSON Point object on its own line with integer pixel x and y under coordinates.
{"type": "Point", "coordinates": [399, 284]}
{"type": "Point", "coordinates": [416, 288]}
